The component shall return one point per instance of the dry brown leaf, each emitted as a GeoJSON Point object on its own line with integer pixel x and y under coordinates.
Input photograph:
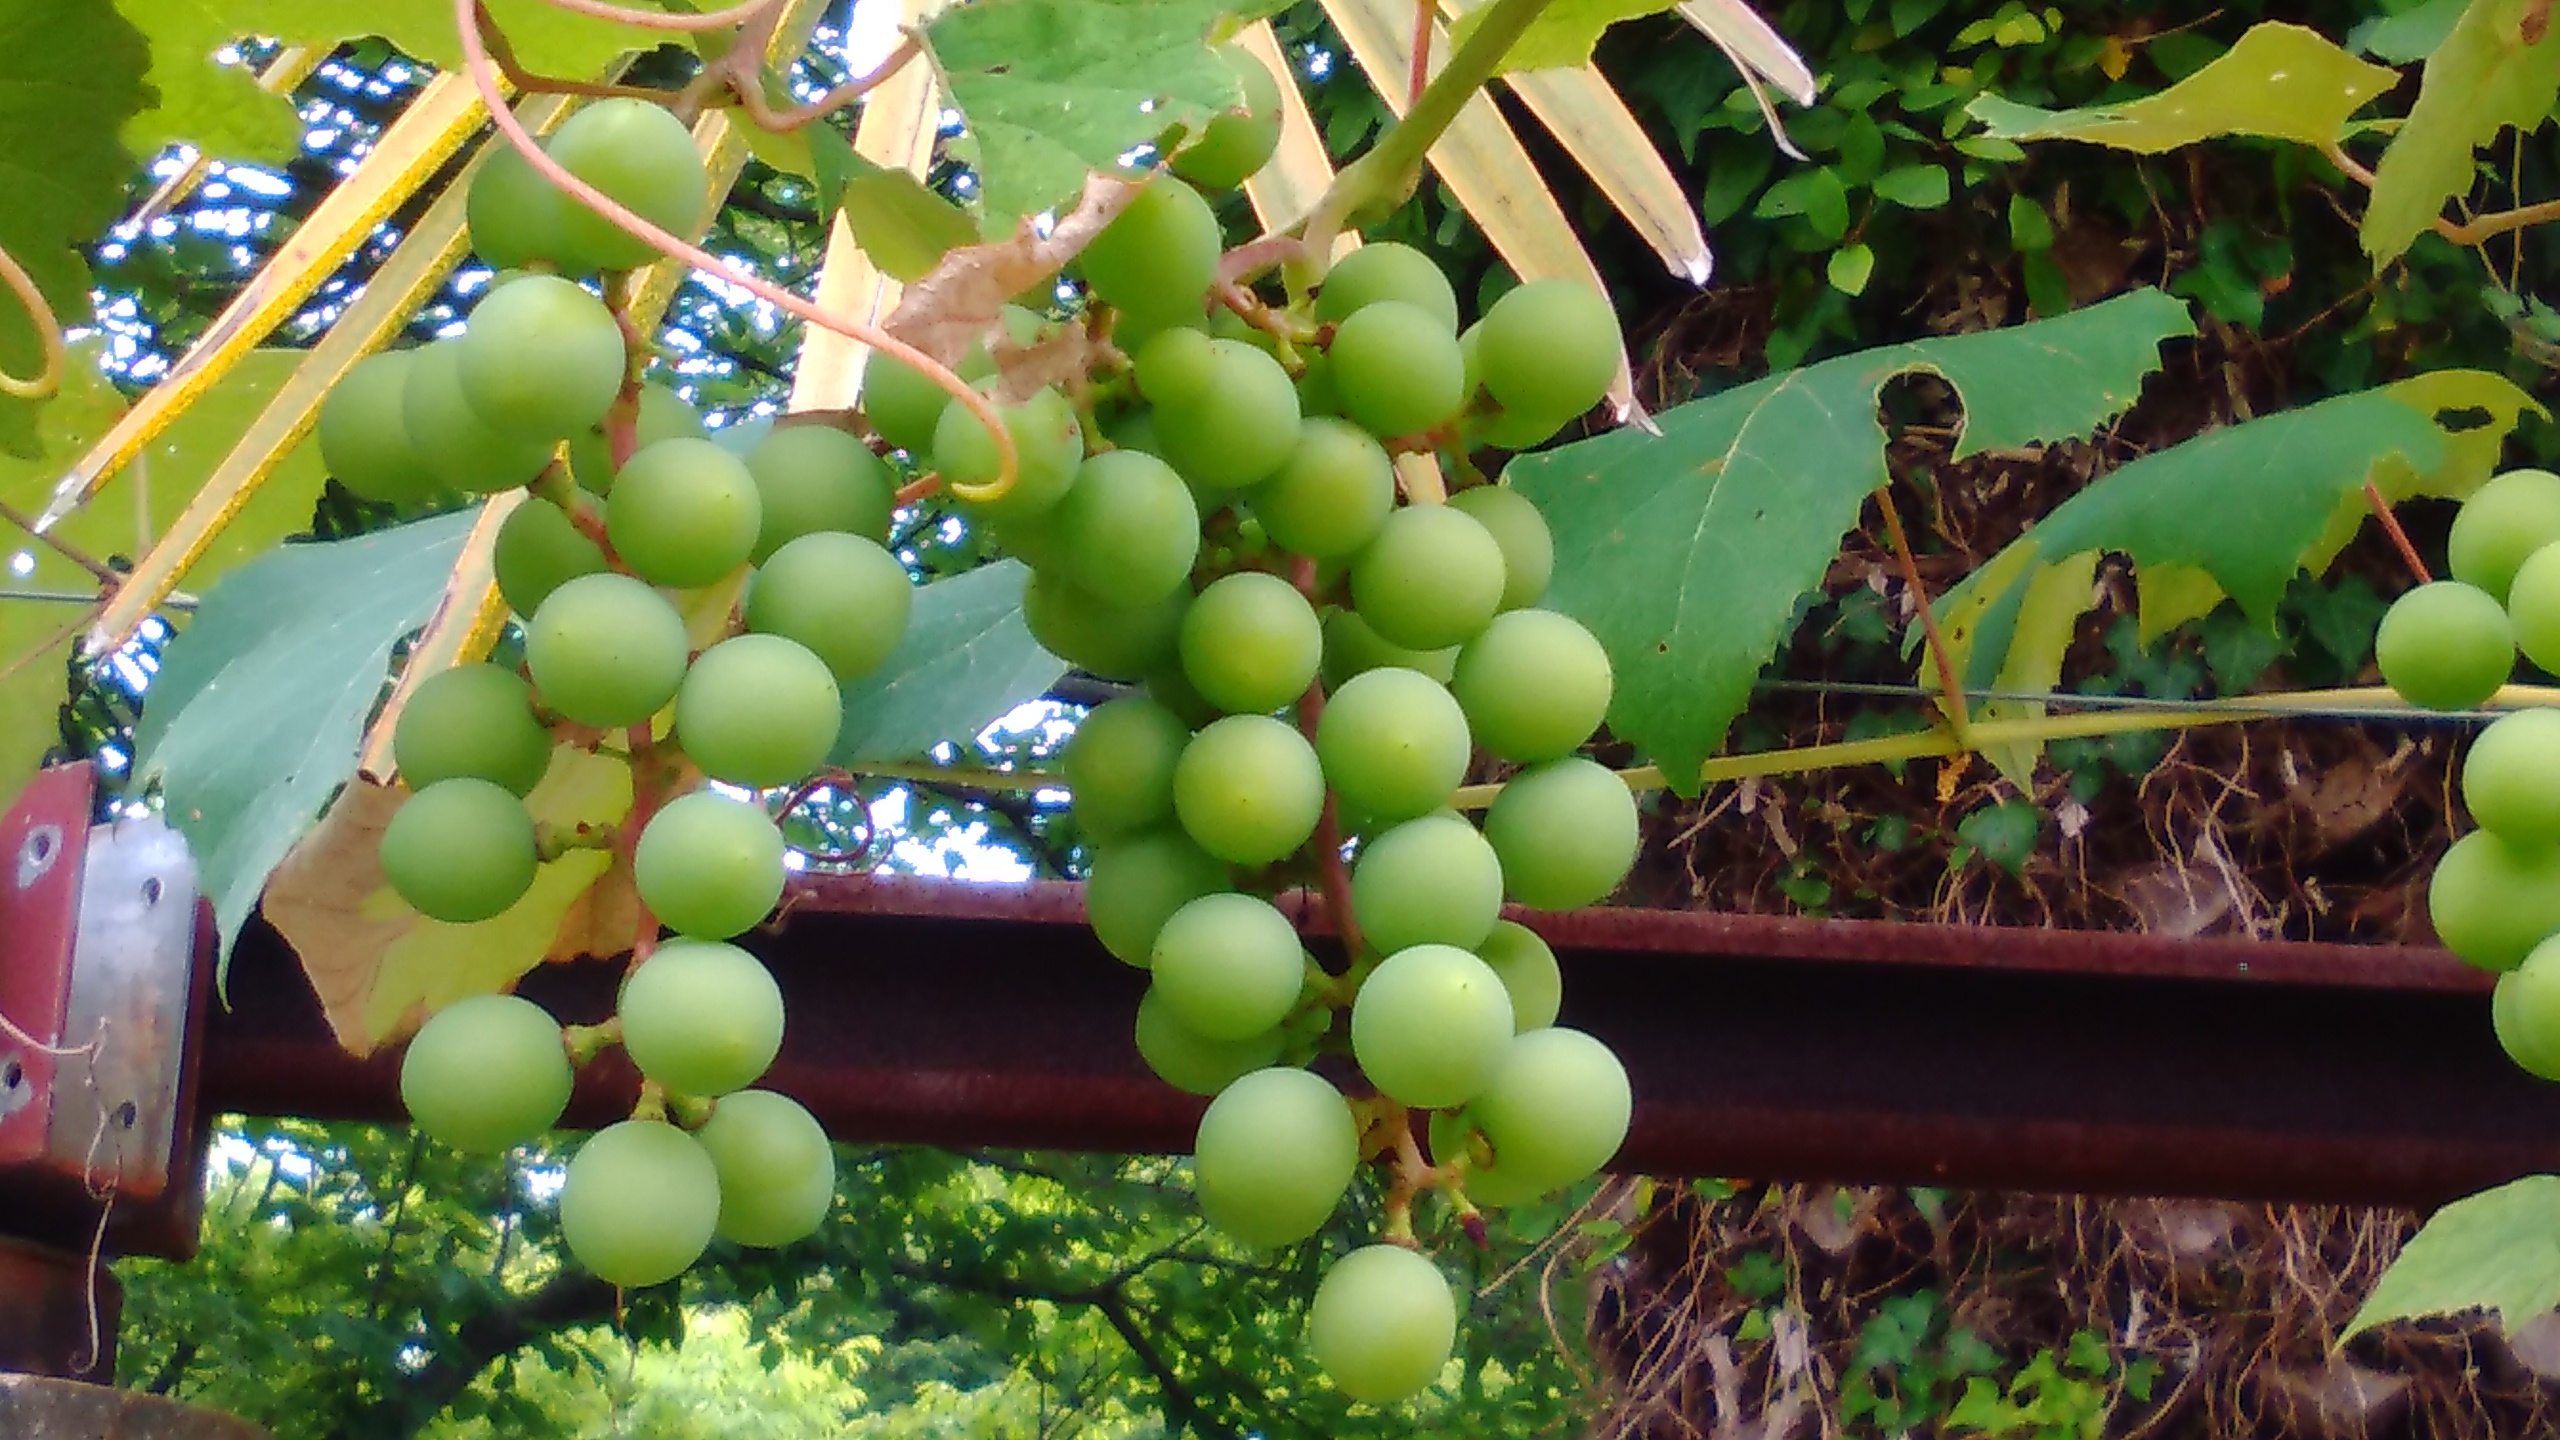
{"type": "Point", "coordinates": [958, 305]}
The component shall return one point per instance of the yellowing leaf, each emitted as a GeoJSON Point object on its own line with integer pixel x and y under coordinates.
{"type": "Point", "coordinates": [1562, 36]}
{"type": "Point", "coordinates": [2280, 81]}
{"type": "Point", "coordinates": [2479, 82]}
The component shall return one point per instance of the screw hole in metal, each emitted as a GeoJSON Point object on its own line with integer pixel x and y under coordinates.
{"type": "Point", "coordinates": [12, 1075]}
{"type": "Point", "coordinates": [151, 891]}
{"type": "Point", "coordinates": [126, 1114]}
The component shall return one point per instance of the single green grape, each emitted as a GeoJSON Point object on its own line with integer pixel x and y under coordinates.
{"type": "Point", "coordinates": [842, 596]}
{"type": "Point", "coordinates": [1248, 789]}
{"type": "Point", "coordinates": [2533, 606]}
{"type": "Point", "coordinates": [663, 415]}
{"type": "Point", "coordinates": [1192, 1062]}
{"type": "Point", "coordinates": [2500, 525]}
{"type": "Point", "coordinates": [2524, 1013]}
{"type": "Point", "coordinates": [1119, 766]}
{"type": "Point", "coordinates": [364, 434]}
{"type": "Point", "coordinates": [460, 850]}
{"type": "Point", "coordinates": [1235, 428]}
{"type": "Point", "coordinates": [486, 1073]}
{"type": "Point", "coordinates": [1528, 550]}
{"type": "Point", "coordinates": [1386, 270]}
{"type": "Point", "coordinates": [1159, 255]}
{"type": "Point", "coordinates": [1115, 642]}
{"type": "Point", "coordinates": [540, 549]}
{"type": "Point", "coordinates": [515, 216]}
{"type": "Point", "coordinates": [1534, 685]}
{"type": "Point", "coordinates": [1394, 744]}
{"type": "Point", "coordinates": [1383, 1323]}
{"type": "Point", "coordinates": [1431, 579]}
{"type": "Point", "coordinates": [1235, 143]}
{"type": "Point", "coordinates": [1550, 347]}
{"type": "Point", "coordinates": [701, 1017]}
{"type": "Point", "coordinates": [1566, 831]}
{"type": "Point", "coordinates": [1136, 884]}
{"type": "Point", "coordinates": [643, 158]}
{"type": "Point", "coordinates": [1333, 493]}
{"type": "Point", "coordinates": [1048, 444]}
{"type": "Point", "coordinates": [2511, 777]}
{"type": "Point", "coordinates": [640, 1203]}
{"type": "Point", "coordinates": [542, 359]}
{"type": "Point", "coordinates": [465, 451]}
{"type": "Point", "coordinates": [1428, 881]}
{"type": "Point", "coordinates": [758, 710]}
{"type": "Point", "coordinates": [1556, 1109]}
{"type": "Point", "coordinates": [1430, 1026]}
{"type": "Point", "coordinates": [904, 405]}
{"type": "Point", "coordinates": [474, 720]}
{"type": "Point", "coordinates": [1251, 643]}
{"type": "Point", "coordinates": [683, 513]}
{"type": "Point", "coordinates": [1529, 973]}
{"type": "Point", "coordinates": [2493, 900]}
{"type": "Point", "coordinates": [1178, 363]}
{"type": "Point", "coordinates": [1274, 1154]}
{"type": "Point", "coordinates": [1396, 369]}
{"type": "Point", "coordinates": [1230, 966]}
{"type": "Point", "coordinates": [777, 1169]}
{"type": "Point", "coordinates": [815, 477]}
{"type": "Point", "coordinates": [708, 866]}
{"type": "Point", "coordinates": [1128, 529]}
{"type": "Point", "coordinates": [1352, 648]}
{"type": "Point", "coordinates": [606, 651]}
{"type": "Point", "coordinates": [2447, 645]}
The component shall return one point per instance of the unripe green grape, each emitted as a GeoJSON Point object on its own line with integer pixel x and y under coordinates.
{"type": "Point", "coordinates": [2511, 777]}
{"type": "Point", "coordinates": [1394, 744]}
{"type": "Point", "coordinates": [1134, 429]}
{"type": "Point", "coordinates": [902, 402]}
{"type": "Point", "coordinates": [2492, 900]}
{"type": "Point", "coordinates": [1192, 1062]}
{"type": "Point", "coordinates": [1248, 789]}
{"type": "Point", "coordinates": [1251, 643]}
{"type": "Point", "coordinates": [1430, 1025]}
{"type": "Point", "coordinates": [2533, 603]}
{"type": "Point", "coordinates": [1432, 578]}
{"type": "Point", "coordinates": [707, 866]}
{"type": "Point", "coordinates": [643, 158]}
{"type": "Point", "coordinates": [1534, 685]}
{"type": "Point", "coordinates": [777, 1169]}
{"type": "Point", "coordinates": [1128, 529]}
{"type": "Point", "coordinates": [1529, 974]}
{"type": "Point", "coordinates": [1135, 334]}
{"type": "Point", "coordinates": [464, 450]}
{"type": "Point", "coordinates": [1235, 143]}
{"type": "Point", "coordinates": [1430, 881]}
{"type": "Point", "coordinates": [460, 850]}
{"type": "Point", "coordinates": [1566, 831]}
{"type": "Point", "coordinates": [1396, 369]}
{"type": "Point", "coordinates": [683, 513]}
{"type": "Point", "coordinates": [663, 415]}
{"type": "Point", "coordinates": [1514, 429]}
{"type": "Point", "coordinates": [758, 710]}
{"type": "Point", "coordinates": [364, 435]}
{"type": "Point", "coordinates": [1383, 1324]}
{"type": "Point", "coordinates": [1556, 1109]}
{"type": "Point", "coordinates": [640, 1203]}
{"type": "Point", "coordinates": [2447, 645]}
{"type": "Point", "coordinates": [1177, 363]}
{"type": "Point", "coordinates": [513, 213]}
{"type": "Point", "coordinates": [1316, 395]}
{"type": "Point", "coordinates": [1333, 493]}
{"type": "Point", "coordinates": [2500, 525]}
{"type": "Point", "coordinates": [1048, 443]}
{"type": "Point", "coordinates": [1136, 884]}
{"type": "Point", "coordinates": [1386, 270]}
{"type": "Point", "coordinates": [539, 550]}
{"type": "Point", "coordinates": [1033, 539]}
{"type": "Point", "coordinates": [1230, 966]}
{"type": "Point", "coordinates": [738, 436]}
{"type": "Point", "coordinates": [2524, 1012]}
{"type": "Point", "coordinates": [542, 359]}
{"type": "Point", "coordinates": [1274, 1154]}
{"type": "Point", "coordinates": [1169, 687]}
{"type": "Point", "coordinates": [1116, 642]}
{"type": "Point", "coordinates": [606, 650]}
{"type": "Point", "coordinates": [1528, 550]}
{"type": "Point", "coordinates": [1159, 255]}
{"type": "Point", "coordinates": [486, 1073]}
{"type": "Point", "coordinates": [701, 1018]}
{"type": "Point", "coordinates": [842, 596]}
{"type": "Point", "coordinates": [1352, 648]}
{"type": "Point", "coordinates": [474, 720]}
{"type": "Point", "coordinates": [1119, 766]}
{"type": "Point", "coordinates": [1236, 429]}
{"type": "Point", "coordinates": [1550, 347]}
{"type": "Point", "coordinates": [815, 477]}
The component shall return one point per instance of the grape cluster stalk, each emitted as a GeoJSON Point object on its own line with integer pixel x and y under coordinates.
{"type": "Point", "coordinates": [1211, 514]}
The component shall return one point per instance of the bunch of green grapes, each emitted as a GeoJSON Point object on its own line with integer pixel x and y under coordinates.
{"type": "Point", "coordinates": [635, 519]}
{"type": "Point", "coordinates": [2450, 645]}
{"type": "Point", "coordinates": [1215, 515]}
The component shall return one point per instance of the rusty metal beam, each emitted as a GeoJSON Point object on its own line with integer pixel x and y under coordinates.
{"type": "Point", "coordinates": [953, 1014]}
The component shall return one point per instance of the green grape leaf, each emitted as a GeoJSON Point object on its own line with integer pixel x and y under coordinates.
{"type": "Point", "coordinates": [2280, 81]}
{"type": "Point", "coordinates": [1563, 35]}
{"type": "Point", "coordinates": [70, 76]}
{"type": "Point", "coordinates": [2412, 34]}
{"type": "Point", "coordinates": [1054, 89]}
{"type": "Point", "coordinates": [2284, 493]}
{"type": "Point", "coordinates": [901, 224]}
{"type": "Point", "coordinates": [2498, 1251]}
{"type": "Point", "coordinates": [2482, 79]}
{"type": "Point", "coordinates": [1686, 554]}
{"type": "Point", "coordinates": [112, 523]}
{"type": "Point", "coordinates": [254, 719]}
{"type": "Point", "coordinates": [965, 660]}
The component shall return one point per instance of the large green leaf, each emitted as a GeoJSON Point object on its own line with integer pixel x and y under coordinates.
{"type": "Point", "coordinates": [70, 74]}
{"type": "Point", "coordinates": [2235, 513]}
{"type": "Point", "coordinates": [1562, 36]}
{"type": "Point", "coordinates": [898, 221]}
{"type": "Point", "coordinates": [2480, 80]}
{"type": "Point", "coordinates": [2413, 34]}
{"type": "Point", "coordinates": [2498, 1251]}
{"type": "Point", "coordinates": [965, 660]}
{"type": "Point", "coordinates": [1686, 554]}
{"type": "Point", "coordinates": [255, 717]}
{"type": "Point", "coordinates": [1054, 89]}
{"type": "Point", "coordinates": [2280, 81]}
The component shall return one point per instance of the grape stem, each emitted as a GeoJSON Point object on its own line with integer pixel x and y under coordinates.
{"type": "Point", "coordinates": [1249, 308]}
{"type": "Point", "coordinates": [585, 1042]}
{"type": "Point", "coordinates": [2399, 537]}
{"type": "Point", "coordinates": [622, 419]}
{"type": "Point", "coordinates": [1331, 874]}
{"type": "Point", "coordinates": [1951, 701]}
{"type": "Point", "coordinates": [550, 842]}
{"type": "Point", "coordinates": [484, 77]}
{"type": "Point", "coordinates": [648, 787]}
{"type": "Point", "coordinates": [749, 89]}
{"type": "Point", "coordinates": [652, 1104]}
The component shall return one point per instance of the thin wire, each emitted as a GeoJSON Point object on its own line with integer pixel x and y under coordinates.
{"type": "Point", "coordinates": [2380, 710]}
